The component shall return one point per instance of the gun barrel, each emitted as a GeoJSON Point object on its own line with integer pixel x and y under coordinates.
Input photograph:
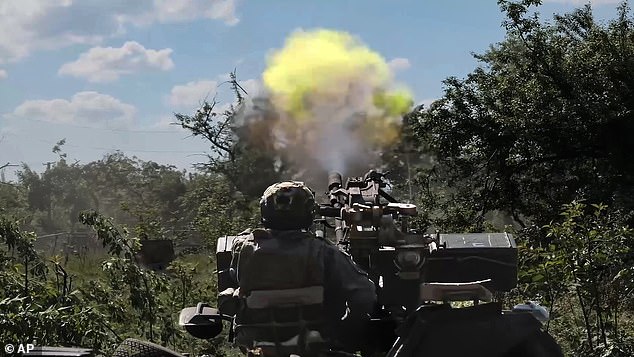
{"type": "Point", "coordinates": [334, 180]}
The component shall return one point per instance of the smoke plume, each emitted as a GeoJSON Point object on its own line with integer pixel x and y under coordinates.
{"type": "Point", "coordinates": [335, 101]}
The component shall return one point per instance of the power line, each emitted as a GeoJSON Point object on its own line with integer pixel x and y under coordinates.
{"type": "Point", "coordinates": [126, 149]}
{"type": "Point", "coordinates": [105, 129]}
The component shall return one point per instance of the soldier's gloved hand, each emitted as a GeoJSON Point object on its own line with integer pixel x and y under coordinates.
{"type": "Point", "coordinates": [229, 301]}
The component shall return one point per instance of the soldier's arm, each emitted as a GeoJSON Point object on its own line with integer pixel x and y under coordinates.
{"type": "Point", "coordinates": [358, 289]}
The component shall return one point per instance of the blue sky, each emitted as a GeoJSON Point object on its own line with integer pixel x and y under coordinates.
{"type": "Point", "coordinates": [108, 74]}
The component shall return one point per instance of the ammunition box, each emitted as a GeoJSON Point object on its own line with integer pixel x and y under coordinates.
{"type": "Point", "coordinates": [476, 256]}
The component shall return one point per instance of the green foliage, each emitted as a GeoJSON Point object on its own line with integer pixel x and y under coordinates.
{"type": "Point", "coordinates": [13, 201]}
{"type": "Point", "coordinates": [136, 193]}
{"type": "Point", "coordinates": [544, 120]}
{"type": "Point", "coordinates": [98, 300]}
{"type": "Point", "coordinates": [582, 266]}
{"type": "Point", "coordinates": [117, 241]}
{"type": "Point", "coordinates": [144, 303]}
{"type": "Point", "coordinates": [37, 308]}
{"type": "Point", "coordinates": [61, 192]}
{"type": "Point", "coordinates": [54, 305]}
{"type": "Point", "coordinates": [219, 209]}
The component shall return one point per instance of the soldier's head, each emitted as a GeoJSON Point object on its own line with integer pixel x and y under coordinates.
{"type": "Point", "coordinates": [288, 205]}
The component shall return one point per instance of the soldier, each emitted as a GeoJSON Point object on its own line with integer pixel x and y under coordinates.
{"type": "Point", "coordinates": [287, 258]}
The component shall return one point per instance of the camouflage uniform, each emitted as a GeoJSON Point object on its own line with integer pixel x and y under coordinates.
{"type": "Point", "coordinates": [301, 260]}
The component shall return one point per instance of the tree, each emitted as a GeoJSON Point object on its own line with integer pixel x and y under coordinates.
{"type": "Point", "coordinates": [545, 119]}
{"type": "Point", "coordinates": [240, 150]}
{"type": "Point", "coordinates": [13, 201]}
{"type": "Point", "coordinates": [216, 209]}
{"type": "Point", "coordinates": [584, 274]}
{"type": "Point", "coordinates": [542, 122]}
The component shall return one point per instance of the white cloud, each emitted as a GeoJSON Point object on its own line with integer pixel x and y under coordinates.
{"type": "Point", "coordinates": [583, 2]}
{"type": "Point", "coordinates": [30, 25]}
{"type": "Point", "coordinates": [3, 74]}
{"type": "Point", "coordinates": [187, 10]}
{"type": "Point", "coordinates": [86, 108]}
{"type": "Point", "coordinates": [104, 64]}
{"type": "Point", "coordinates": [399, 64]}
{"type": "Point", "coordinates": [167, 123]}
{"type": "Point", "coordinates": [191, 94]}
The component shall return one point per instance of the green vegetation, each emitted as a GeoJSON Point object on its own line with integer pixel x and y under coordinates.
{"type": "Point", "coordinates": [535, 140]}
{"type": "Point", "coordinates": [61, 295]}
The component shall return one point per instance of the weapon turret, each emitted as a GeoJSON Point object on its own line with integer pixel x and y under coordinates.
{"type": "Point", "coordinates": [373, 227]}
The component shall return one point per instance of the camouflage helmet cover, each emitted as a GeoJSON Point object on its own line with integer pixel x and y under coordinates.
{"type": "Point", "coordinates": [287, 205]}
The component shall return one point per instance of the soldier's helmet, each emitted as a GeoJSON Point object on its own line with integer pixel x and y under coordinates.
{"type": "Point", "coordinates": [287, 205]}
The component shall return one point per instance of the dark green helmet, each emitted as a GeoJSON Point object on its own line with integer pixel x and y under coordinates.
{"type": "Point", "coordinates": [287, 205]}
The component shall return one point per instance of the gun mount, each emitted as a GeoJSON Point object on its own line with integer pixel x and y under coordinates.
{"type": "Point", "coordinates": [373, 227]}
